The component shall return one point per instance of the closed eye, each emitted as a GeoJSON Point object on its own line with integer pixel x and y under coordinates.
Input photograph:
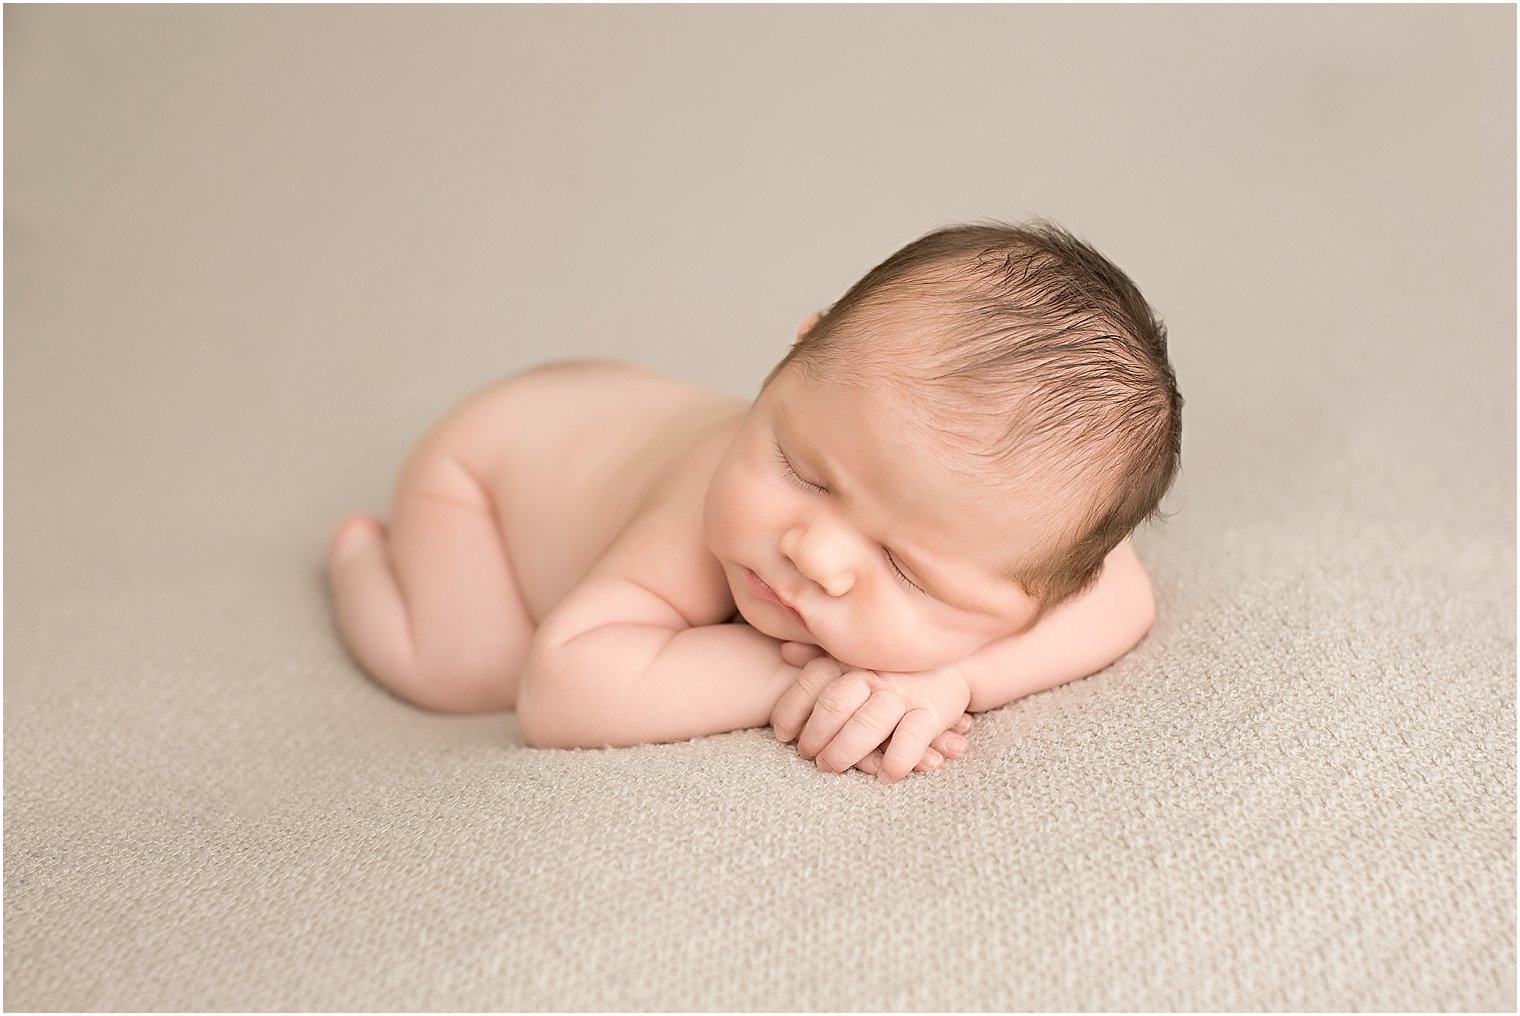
{"type": "Point", "coordinates": [786, 465]}
{"type": "Point", "coordinates": [897, 570]}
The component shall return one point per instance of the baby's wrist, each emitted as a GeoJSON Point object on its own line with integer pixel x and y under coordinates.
{"type": "Point", "coordinates": [957, 676]}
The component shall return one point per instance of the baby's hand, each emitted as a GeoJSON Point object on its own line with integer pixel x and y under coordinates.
{"type": "Point", "coordinates": [947, 747]}
{"type": "Point", "coordinates": [886, 724]}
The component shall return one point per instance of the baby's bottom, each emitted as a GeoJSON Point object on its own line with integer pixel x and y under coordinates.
{"type": "Point", "coordinates": [431, 609]}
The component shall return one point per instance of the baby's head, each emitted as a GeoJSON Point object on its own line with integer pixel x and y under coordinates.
{"type": "Point", "coordinates": [1038, 365]}
{"type": "Point", "coordinates": [994, 400]}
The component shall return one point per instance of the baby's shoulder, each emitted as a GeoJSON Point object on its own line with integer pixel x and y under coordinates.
{"type": "Point", "coordinates": [624, 456]}
{"type": "Point", "coordinates": [574, 452]}
{"type": "Point", "coordinates": [604, 381]}
{"type": "Point", "coordinates": [583, 411]}
{"type": "Point", "coordinates": [623, 412]}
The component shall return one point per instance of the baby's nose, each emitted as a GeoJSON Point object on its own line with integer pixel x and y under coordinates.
{"type": "Point", "coordinates": [820, 558]}
{"type": "Point", "coordinates": [836, 583]}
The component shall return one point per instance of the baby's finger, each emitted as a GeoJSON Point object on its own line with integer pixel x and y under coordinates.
{"type": "Point", "coordinates": [949, 744]}
{"type": "Point", "coordinates": [799, 653]}
{"type": "Point", "coordinates": [835, 705]}
{"type": "Point", "coordinates": [870, 764]}
{"type": "Point", "coordinates": [931, 761]}
{"type": "Point", "coordinates": [963, 724]}
{"type": "Point", "coordinates": [913, 735]}
{"type": "Point", "coordinates": [789, 713]}
{"type": "Point", "coordinates": [871, 724]}
{"type": "Point", "coordinates": [795, 705]}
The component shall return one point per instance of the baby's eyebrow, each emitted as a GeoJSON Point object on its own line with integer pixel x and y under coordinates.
{"type": "Point", "coordinates": [784, 414]}
{"type": "Point", "coordinates": [795, 444]}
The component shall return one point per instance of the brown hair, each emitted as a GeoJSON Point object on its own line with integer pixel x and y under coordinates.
{"type": "Point", "coordinates": [1052, 345]}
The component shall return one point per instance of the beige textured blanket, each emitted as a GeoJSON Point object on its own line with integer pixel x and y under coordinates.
{"type": "Point", "coordinates": [250, 253]}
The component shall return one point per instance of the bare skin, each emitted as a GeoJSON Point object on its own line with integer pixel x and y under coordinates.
{"type": "Point", "coordinates": [577, 542]}
{"type": "Point", "coordinates": [500, 511]}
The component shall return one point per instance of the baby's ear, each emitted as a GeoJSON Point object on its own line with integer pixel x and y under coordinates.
{"type": "Point", "coordinates": [807, 326]}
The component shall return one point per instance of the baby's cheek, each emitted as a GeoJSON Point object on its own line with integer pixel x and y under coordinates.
{"type": "Point", "coordinates": [931, 645]}
{"type": "Point", "coordinates": [718, 515]}
{"type": "Point", "coordinates": [890, 642]}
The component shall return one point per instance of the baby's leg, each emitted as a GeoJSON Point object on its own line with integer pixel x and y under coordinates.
{"type": "Point", "coordinates": [432, 609]}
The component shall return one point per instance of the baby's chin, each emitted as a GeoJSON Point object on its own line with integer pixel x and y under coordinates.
{"type": "Point", "coordinates": [903, 661]}
{"type": "Point", "coordinates": [767, 626]}
{"type": "Point", "coordinates": [884, 659]}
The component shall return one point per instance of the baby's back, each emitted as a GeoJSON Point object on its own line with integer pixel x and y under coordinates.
{"type": "Point", "coordinates": [569, 451]}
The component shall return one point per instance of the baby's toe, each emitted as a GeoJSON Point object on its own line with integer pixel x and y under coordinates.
{"type": "Point", "coordinates": [353, 534]}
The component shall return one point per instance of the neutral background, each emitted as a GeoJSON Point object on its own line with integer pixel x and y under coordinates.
{"type": "Point", "coordinates": [250, 253]}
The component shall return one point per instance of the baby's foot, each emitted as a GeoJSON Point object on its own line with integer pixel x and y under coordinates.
{"type": "Point", "coordinates": [353, 536]}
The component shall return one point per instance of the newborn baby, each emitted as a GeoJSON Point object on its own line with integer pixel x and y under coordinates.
{"type": "Point", "coordinates": [924, 514]}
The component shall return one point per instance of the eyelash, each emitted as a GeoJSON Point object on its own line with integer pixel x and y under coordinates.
{"type": "Point", "coordinates": [899, 573]}
{"type": "Point", "coordinates": [813, 488]}
{"type": "Point", "coordinates": [791, 473]}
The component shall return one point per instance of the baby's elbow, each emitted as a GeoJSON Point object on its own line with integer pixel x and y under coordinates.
{"type": "Point", "coordinates": [1142, 604]}
{"type": "Point", "coordinates": [545, 722]}
{"type": "Point", "coordinates": [542, 714]}
{"type": "Point", "coordinates": [553, 710]}
{"type": "Point", "coordinates": [1125, 597]}
{"type": "Point", "coordinates": [538, 724]}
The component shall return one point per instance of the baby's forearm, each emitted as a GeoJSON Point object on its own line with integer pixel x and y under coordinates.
{"type": "Point", "coordinates": [627, 684]}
